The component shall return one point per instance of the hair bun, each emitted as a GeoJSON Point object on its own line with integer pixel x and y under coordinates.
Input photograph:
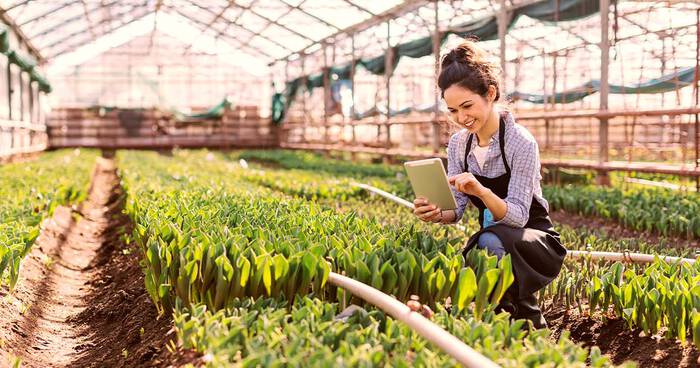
{"type": "Point", "coordinates": [468, 66]}
{"type": "Point", "coordinates": [467, 53]}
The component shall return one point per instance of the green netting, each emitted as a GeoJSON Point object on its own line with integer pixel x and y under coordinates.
{"type": "Point", "coordinates": [24, 62]}
{"type": "Point", "coordinates": [278, 109]}
{"type": "Point", "coordinates": [314, 81]}
{"type": "Point", "coordinates": [342, 72]}
{"type": "Point", "coordinates": [4, 40]}
{"type": "Point", "coordinates": [417, 48]}
{"type": "Point", "coordinates": [381, 110]}
{"type": "Point", "coordinates": [547, 11]}
{"type": "Point", "coordinates": [44, 85]}
{"type": "Point", "coordinates": [484, 28]}
{"type": "Point", "coordinates": [561, 97]}
{"type": "Point", "coordinates": [666, 83]}
{"type": "Point", "coordinates": [215, 112]}
{"type": "Point", "coordinates": [373, 111]}
{"type": "Point", "coordinates": [377, 65]}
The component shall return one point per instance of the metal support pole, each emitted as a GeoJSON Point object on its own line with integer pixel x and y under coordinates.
{"type": "Point", "coordinates": [10, 91]}
{"type": "Point", "coordinates": [388, 70]}
{"type": "Point", "coordinates": [31, 102]}
{"type": "Point", "coordinates": [352, 93]}
{"type": "Point", "coordinates": [436, 109]}
{"type": "Point", "coordinates": [553, 98]}
{"type": "Point", "coordinates": [547, 124]}
{"type": "Point", "coordinates": [502, 25]}
{"type": "Point", "coordinates": [21, 96]}
{"type": "Point", "coordinates": [304, 120]}
{"type": "Point", "coordinates": [603, 178]}
{"type": "Point", "coordinates": [697, 95]}
{"type": "Point", "coordinates": [330, 92]}
{"type": "Point", "coordinates": [326, 93]}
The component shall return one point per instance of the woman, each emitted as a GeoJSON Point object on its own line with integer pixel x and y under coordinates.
{"type": "Point", "coordinates": [494, 164]}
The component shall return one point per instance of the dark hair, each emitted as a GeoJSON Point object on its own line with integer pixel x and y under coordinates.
{"type": "Point", "coordinates": [467, 67]}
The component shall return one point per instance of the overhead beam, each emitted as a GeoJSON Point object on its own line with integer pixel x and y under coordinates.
{"type": "Point", "coordinates": [79, 32]}
{"type": "Point", "coordinates": [229, 22]}
{"type": "Point", "coordinates": [394, 12]}
{"type": "Point", "coordinates": [298, 7]}
{"type": "Point", "coordinates": [293, 31]}
{"type": "Point", "coordinates": [209, 25]}
{"type": "Point", "coordinates": [200, 24]}
{"type": "Point", "coordinates": [360, 8]}
{"type": "Point", "coordinates": [21, 3]}
{"type": "Point", "coordinates": [123, 23]}
{"type": "Point", "coordinates": [52, 11]}
{"type": "Point", "coordinates": [107, 11]}
{"type": "Point", "coordinates": [89, 21]}
{"type": "Point", "coordinates": [65, 22]}
{"type": "Point", "coordinates": [579, 46]}
{"type": "Point", "coordinates": [269, 23]}
{"type": "Point", "coordinates": [22, 36]}
{"type": "Point", "coordinates": [159, 4]}
{"type": "Point", "coordinates": [239, 26]}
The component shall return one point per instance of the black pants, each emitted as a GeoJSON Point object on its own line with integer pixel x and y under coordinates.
{"type": "Point", "coordinates": [522, 308]}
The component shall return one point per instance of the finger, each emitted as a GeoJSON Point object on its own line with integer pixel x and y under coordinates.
{"type": "Point", "coordinates": [424, 209]}
{"type": "Point", "coordinates": [420, 200]}
{"type": "Point", "coordinates": [431, 215]}
{"type": "Point", "coordinates": [452, 179]}
{"type": "Point", "coordinates": [423, 218]}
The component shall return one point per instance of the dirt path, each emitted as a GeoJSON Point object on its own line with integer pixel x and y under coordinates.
{"type": "Point", "coordinates": [620, 343]}
{"type": "Point", "coordinates": [618, 231]}
{"type": "Point", "coordinates": [81, 301]}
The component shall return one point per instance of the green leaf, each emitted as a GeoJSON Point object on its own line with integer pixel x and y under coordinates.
{"type": "Point", "coordinates": [486, 285]}
{"type": "Point", "coordinates": [466, 288]}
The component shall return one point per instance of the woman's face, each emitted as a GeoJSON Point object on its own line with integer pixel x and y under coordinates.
{"type": "Point", "coordinates": [466, 108]}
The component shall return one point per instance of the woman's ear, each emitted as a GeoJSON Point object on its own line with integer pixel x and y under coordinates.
{"type": "Point", "coordinates": [491, 94]}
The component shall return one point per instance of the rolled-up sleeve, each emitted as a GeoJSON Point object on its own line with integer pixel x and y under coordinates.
{"type": "Point", "coordinates": [525, 168]}
{"type": "Point", "coordinates": [455, 152]}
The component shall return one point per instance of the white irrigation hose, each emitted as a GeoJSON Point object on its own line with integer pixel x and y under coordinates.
{"type": "Point", "coordinates": [394, 198]}
{"type": "Point", "coordinates": [384, 194]}
{"type": "Point", "coordinates": [625, 257]}
{"type": "Point", "coordinates": [608, 256]}
{"type": "Point", "coordinates": [453, 346]}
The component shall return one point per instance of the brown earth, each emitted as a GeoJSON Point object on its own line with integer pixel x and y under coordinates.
{"type": "Point", "coordinates": [620, 343]}
{"type": "Point", "coordinates": [20, 157]}
{"type": "Point", "coordinates": [81, 301]}
{"type": "Point", "coordinates": [618, 231]}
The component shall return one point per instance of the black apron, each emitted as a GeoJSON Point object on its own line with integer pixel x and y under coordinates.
{"type": "Point", "coordinates": [536, 250]}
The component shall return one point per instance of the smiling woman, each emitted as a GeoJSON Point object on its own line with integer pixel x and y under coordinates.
{"type": "Point", "coordinates": [494, 164]}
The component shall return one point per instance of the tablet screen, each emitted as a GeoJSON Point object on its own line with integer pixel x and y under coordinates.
{"type": "Point", "coordinates": [429, 180]}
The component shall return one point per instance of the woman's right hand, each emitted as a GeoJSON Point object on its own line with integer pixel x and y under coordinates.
{"type": "Point", "coordinates": [425, 211]}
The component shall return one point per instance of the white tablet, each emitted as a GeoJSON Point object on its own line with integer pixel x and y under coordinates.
{"type": "Point", "coordinates": [429, 180]}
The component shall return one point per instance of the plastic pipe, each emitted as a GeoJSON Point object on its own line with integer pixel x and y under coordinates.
{"type": "Point", "coordinates": [451, 345]}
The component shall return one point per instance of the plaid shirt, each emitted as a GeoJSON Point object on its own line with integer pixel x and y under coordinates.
{"type": "Point", "coordinates": [522, 154]}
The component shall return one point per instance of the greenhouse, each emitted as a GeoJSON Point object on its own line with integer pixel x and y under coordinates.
{"type": "Point", "coordinates": [349, 183]}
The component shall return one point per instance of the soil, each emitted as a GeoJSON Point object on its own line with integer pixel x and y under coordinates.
{"type": "Point", "coordinates": [81, 301]}
{"type": "Point", "coordinates": [619, 231]}
{"type": "Point", "coordinates": [19, 157]}
{"type": "Point", "coordinates": [616, 340]}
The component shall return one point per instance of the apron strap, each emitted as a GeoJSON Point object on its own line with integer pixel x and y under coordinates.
{"type": "Point", "coordinates": [466, 152]}
{"type": "Point", "coordinates": [501, 143]}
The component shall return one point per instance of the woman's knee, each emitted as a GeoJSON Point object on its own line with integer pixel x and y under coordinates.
{"type": "Point", "coordinates": [492, 243]}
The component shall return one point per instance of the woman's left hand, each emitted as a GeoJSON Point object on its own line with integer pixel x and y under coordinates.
{"type": "Point", "coordinates": [467, 183]}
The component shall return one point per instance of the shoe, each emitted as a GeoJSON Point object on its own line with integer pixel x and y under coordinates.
{"type": "Point", "coordinates": [527, 308]}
